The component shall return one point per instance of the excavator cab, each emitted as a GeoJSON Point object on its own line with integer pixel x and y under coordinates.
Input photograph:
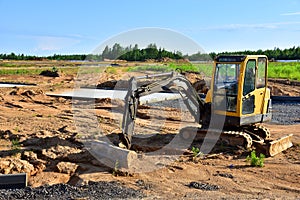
{"type": "Point", "coordinates": [239, 90]}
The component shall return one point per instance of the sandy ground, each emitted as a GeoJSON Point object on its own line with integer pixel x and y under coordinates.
{"type": "Point", "coordinates": [39, 136]}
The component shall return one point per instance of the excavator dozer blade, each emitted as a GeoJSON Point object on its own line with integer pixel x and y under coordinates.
{"type": "Point", "coordinates": [280, 144]}
{"type": "Point", "coordinates": [273, 147]}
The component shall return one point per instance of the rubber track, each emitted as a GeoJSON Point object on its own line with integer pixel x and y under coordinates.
{"type": "Point", "coordinates": [266, 130]}
{"type": "Point", "coordinates": [246, 136]}
{"type": "Point", "coordinates": [260, 128]}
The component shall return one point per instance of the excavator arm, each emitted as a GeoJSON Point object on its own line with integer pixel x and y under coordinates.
{"type": "Point", "coordinates": [170, 81]}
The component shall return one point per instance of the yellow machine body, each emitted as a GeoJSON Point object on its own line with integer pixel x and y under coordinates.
{"type": "Point", "coordinates": [239, 89]}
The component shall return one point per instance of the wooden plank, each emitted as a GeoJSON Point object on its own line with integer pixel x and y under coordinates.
{"type": "Point", "coordinates": [13, 181]}
{"type": "Point", "coordinates": [111, 155]}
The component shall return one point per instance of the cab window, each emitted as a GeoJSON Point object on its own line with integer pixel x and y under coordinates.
{"type": "Point", "coordinates": [261, 73]}
{"type": "Point", "coordinates": [249, 79]}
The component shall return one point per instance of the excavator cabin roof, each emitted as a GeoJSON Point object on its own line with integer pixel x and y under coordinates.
{"type": "Point", "coordinates": [235, 58]}
{"type": "Point", "coordinates": [224, 58]}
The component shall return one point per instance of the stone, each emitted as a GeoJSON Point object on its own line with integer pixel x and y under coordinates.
{"type": "Point", "coordinates": [30, 155]}
{"type": "Point", "coordinates": [67, 167]}
{"type": "Point", "coordinates": [15, 165]}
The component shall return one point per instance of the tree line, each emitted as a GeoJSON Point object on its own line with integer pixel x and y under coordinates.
{"type": "Point", "coordinates": [273, 54]}
{"type": "Point", "coordinates": [151, 52]}
{"type": "Point", "coordinates": [133, 53]}
{"type": "Point", "coordinates": [13, 56]}
{"type": "Point", "coordinates": [129, 53]}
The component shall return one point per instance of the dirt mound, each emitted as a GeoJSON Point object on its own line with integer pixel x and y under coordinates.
{"type": "Point", "coordinates": [15, 165]}
{"type": "Point", "coordinates": [283, 87]}
{"type": "Point", "coordinates": [49, 73]}
{"type": "Point", "coordinates": [26, 92]}
{"type": "Point", "coordinates": [196, 79]}
{"type": "Point", "coordinates": [285, 82]}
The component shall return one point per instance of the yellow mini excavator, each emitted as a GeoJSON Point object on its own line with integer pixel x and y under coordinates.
{"type": "Point", "coordinates": [234, 108]}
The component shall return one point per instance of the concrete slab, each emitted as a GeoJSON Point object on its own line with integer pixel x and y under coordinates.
{"type": "Point", "coordinates": [5, 85]}
{"type": "Point", "coordinates": [87, 93]}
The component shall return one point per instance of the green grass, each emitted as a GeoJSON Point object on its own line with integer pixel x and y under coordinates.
{"type": "Point", "coordinates": [16, 65]}
{"type": "Point", "coordinates": [195, 151]}
{"type": "Point", "coordinates": [20, 71]}
{"type": "Point", "coordinates": [68, 70]}
{"type": "Point", "coordinates": [254, 160]}
{"type": "Point", "coordinates": [91, 70]}
{"type": "Point", "coordinates": [284, 70]}
{"type": "Point", "coordinates": [36, 71]}
{"type": "Point", "coordinates": [15, 143]}
{"type": "Point", "coordinates": [148, 68]}
{"type": "Point", "coordinates": [8, 65]}
{"type": "Point", "coordinates": [276, 69]}
{"type": "Point", "coordinates": [205, 68]}
{"type": "Point", "coordinates": [15, 146]}
{"type": "Point", "coordinates": [116, 168]}
{"type": "Point", "coordinates": [111, 70]}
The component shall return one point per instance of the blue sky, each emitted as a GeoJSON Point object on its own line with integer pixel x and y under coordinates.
{"type": "Point", "coordinates": [36, 27]}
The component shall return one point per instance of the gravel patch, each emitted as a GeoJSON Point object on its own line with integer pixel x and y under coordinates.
{"type": "Point", "coordinates": [286, 113]}
{"type": "Point", "coordinates": [225, 175]}
{"type": "Point", "coordinates": [203, 186]}
{"type": "Point", "coordinates": [283, 113]}
{"type": "Point", "coordinates": [93, 190]}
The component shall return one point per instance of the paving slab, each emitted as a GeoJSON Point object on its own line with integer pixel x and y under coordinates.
{"type": "Point", "coordinates": [87, 93]}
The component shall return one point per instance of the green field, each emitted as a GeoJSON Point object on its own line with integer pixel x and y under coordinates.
{"type": "Point", "coordinates": [205, 68]}
{"type": "Point", "coordinates": [284, 70]}
{"type": "Point", "coordinates": [36, 71]}
{"type": "Point", "coordinates": [276, 69]}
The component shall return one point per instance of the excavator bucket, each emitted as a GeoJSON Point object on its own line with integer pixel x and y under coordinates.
{"type": "Point", "coordinates": [273, 147]}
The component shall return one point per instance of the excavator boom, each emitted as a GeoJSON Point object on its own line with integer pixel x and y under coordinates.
{"type": "Point", "coordinates": [171, 81]}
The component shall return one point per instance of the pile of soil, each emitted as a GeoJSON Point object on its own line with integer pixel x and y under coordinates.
{"type": "Point", "coordinates": [49, 73]}
{"type": "Point", "coordinates": [284, 87]}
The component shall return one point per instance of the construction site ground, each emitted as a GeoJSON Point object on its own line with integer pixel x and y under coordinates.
{"type": "Point", "coordinates": [38, 136]}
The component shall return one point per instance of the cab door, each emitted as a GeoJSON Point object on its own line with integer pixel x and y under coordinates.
{"type": "Point", "coordinates": [254, 88]}
{"type": "Point", "coordinates": [260, 84]}
{"type": "Point", "coordinates": [248, 99]}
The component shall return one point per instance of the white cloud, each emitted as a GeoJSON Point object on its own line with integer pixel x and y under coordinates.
{"type": "Point", "coordinates": [232, 27]}
{"type": "Point", "coordinates": [293, 13]}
